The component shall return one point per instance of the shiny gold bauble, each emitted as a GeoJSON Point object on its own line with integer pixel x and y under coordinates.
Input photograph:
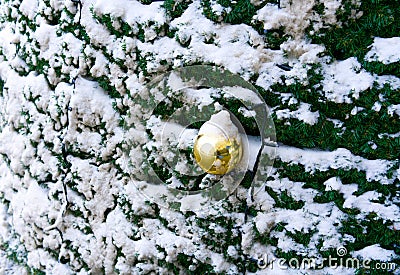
{"type": "Point", "coordinates": [216, 153]}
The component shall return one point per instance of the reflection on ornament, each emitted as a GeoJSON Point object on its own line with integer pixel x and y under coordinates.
{"type": "Point", "coordinates": [217, 148]}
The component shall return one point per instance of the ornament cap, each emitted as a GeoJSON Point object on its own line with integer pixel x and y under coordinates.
{"type": "Point", "coordinates": [217, 148]}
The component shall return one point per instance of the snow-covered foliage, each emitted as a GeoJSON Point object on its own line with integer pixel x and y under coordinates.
{"type": "Point", "coordinates": [69, 75]}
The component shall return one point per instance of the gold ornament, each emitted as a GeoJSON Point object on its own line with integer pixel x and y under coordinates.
{"type": "Point", "coordinates": [216, 152]}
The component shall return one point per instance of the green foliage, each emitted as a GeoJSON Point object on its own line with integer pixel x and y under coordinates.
{"type": "Point", "coordinates": [104, 83]}
{"type": "Point", "coordinates": [371, 230]}
{"type": "Point", "coordinates": [208, 75]}
{"type": "Point", "coordinates": [353, 38]}
{"type": "Point", "coordinates": [301, 237]}
{"type": "Point", "coordinates": [69, 25]}
{"type": "Point", "coordinates": [1, 86]}
{"type": "Point", "coordinates": [201, 268]}
{"type": "Point", "coordinates": [140, 34]}
{"type": "Point", "coordinates": [220, 241]}
{"type": "Point", "coordinates": [26, 23]}
{"type": "Point", "coordinates": [208, 12]}
{"type": "Point", "coordinates": [298, 173]}
{"type": "Point", "coordinates": [146, 2]}
{"type": "Point", "coordinates": [337, 198]}
{"type": "Point", "coordinates": [357, 132]}
{"type": "Point", "coordinates": [184, 262]}
{"type": "Point", "coordinates": [142, 63]}
{"type": "Point", "coordinates": [110, 23]}
{"type": "Point", "coordinates": [275, 38]}
{"type": "Point", "coordinates": [18, 254]}
{"type": "Point", "coordinates": [232, 104]}
{"type": "Point", "coordinates": [242, 12]}
{"type": "Point", "coordinates": [53, 18]}
{"type": "Point", "coordinates": [283, 200]}
{"type": "Point", "coordinates": [319, 7]}
{"type": "Point", "coordinates": [267, 239]}
{"type": "Point", "coordinates": [174, 8]}
{"type": "Point", "coordinates": [383, 69]}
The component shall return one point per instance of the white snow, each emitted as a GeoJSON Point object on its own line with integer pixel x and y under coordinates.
{"type": "Point", "coordinates": [385, 50]}
{"type": "Point", "coordinates": [344, 80]}
{"type": "Point", "coordinates": [375, 252]}
{"type": "Point", "coordinates": [221, 124]}
{"type": "Point", "coordinates": [333, 184]}
{"type": "Point", "coordinates": [339, 158]}
{"type": "Point", "coordinates": [363, 202]}
{"type": "Point", "coordinates": [132, 11]}
{"type": "Point", "coordinates": [394, 109]}
{"type": "Point", "coordinates": [28, 7]}
{"type": "Point", "coordinates": [303, 113]}
{"type": "Point", "coordinates": [230, 48]}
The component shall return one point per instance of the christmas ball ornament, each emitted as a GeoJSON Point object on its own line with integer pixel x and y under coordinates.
{"type": "Point", "coordinates": [217, 147]}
